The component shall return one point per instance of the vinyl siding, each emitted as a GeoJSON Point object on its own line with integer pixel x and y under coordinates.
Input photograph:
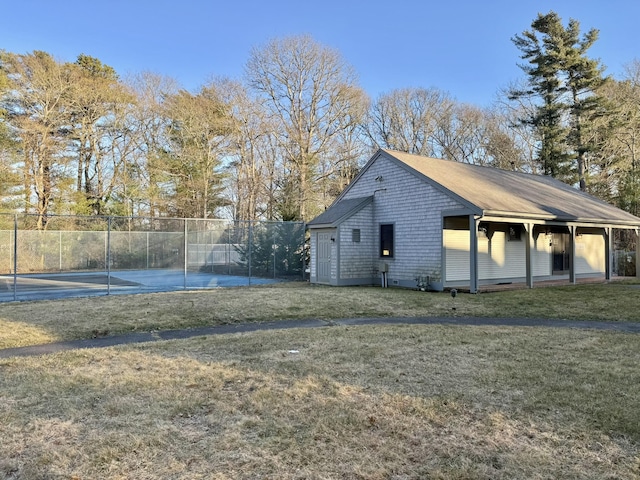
{"type": "Point", "coordinates": [456, 244]}
{"type": "Point", "coordinates": [498, 258]}
{"type": "Point", "coordinates": [590, 253]}
{"type": "Point", "coordinates": [542, 256]}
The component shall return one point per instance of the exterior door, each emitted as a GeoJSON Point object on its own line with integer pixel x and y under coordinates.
{"type": "Point", "coordinates": [560, 253]}
{"type": "Point", "coordinates": [323, 258]}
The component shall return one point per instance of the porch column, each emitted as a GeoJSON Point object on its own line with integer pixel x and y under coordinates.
{"type": "Point", "coordinates": [608, 261]}
{"type": "Point", "coordinates": [637, 252]}
{"type": "Point", "coordinates": [473, 254]}
{"type": "Point", "coordinates": [529, 254]}
{"type": "Point", "coordinates": [572, 254]}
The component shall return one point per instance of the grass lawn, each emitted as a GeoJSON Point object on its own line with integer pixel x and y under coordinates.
{"type": "Point", "coordinates": [32, 323]}
{"type": "Point", "coordinates": [369, 402]}
{"type": "Point", "coordinates": [365, 402]}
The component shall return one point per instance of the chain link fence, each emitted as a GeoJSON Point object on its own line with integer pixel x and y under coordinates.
{"type": "Point", "coordinates": [624, 263]}
{"type": "Point", "coordinates": [624, 252]}
{"type": "Point", "coordinates": [100, 254]}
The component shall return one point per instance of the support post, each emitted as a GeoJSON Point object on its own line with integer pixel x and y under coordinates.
{"type": "Point", "coordinates": [637, 252]}
{"type": "Point", "coordinates": [529, 254]}
{"type": "Point", "coordinates": [572, 254]}
{"type": "Point", "coordinates": [473, 254]}
{"type": "Point", "coordinates": [608, 251]}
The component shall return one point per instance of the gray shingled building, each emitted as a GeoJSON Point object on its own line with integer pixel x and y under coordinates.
{"type": "Point", "coordinates": [414, 221]}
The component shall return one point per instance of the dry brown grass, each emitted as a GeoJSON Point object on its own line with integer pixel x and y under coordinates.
{"type": "Point", "coordinates": [30, 323]}
{"type": "Point", "coordinates": [375, 402]}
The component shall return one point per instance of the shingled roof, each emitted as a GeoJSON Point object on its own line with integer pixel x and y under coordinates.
{"type": "Point", "coordinates": [340, 211]}
{"type": "Point", "coordinates": [492, 191]}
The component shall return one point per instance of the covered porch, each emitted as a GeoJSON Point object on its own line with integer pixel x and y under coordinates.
{"type": "Point", "coordinates": [482, 252]}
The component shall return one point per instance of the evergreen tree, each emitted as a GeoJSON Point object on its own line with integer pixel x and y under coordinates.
{"type": "Point", "coordinates": [275, 249]}
{"type": "Point", "coordinates": [97, 107]}
{"type": "Point", "coordinates": [566, 82]}
{"type": "Point", "coordinates": [9, 179]}
{"type": "Point", "coordinates": [197, 142]}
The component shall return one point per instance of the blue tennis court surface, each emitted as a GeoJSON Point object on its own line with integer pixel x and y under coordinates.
{"type": "Point", "coordinates": [65, 285]}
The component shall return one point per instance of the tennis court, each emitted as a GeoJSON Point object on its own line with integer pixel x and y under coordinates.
{"type": "Point", "coordinates": [63, 285]}
{"type": "Point", "coordinates": [89, 256]}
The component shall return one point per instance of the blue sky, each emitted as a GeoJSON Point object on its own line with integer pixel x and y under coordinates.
{"type": "Point", "coordinates": [462, 47]}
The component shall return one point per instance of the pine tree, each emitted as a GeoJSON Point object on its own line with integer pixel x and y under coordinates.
{"type": "Point", "coordinates": [566, 81]}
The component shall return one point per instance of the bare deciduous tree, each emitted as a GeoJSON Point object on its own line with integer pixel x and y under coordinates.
{"type": "Point", "coordinates": [250, 160]}
{"type": "Point", "coordinates": [407, 119]}
{"type": "Point", "coordinates": [615, 170]}
{"type": "Point", "coordinates": [142, 190]}
{"type": "Point", "coordinates": [307, 90]}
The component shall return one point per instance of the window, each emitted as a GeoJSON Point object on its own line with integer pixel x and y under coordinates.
{"type": "Point", "coordinates": [515, 233]}
{"type": "Point", "coordinates": [386, 240]}
{"type": "Point", "coordinates": [355, 235]}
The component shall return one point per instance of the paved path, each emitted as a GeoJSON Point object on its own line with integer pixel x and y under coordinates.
{"type": "Point", "coordinates": [142, 337]}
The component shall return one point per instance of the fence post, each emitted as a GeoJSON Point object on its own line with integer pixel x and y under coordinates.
{"type": "Point", "coordinates": [185, 254]}
{"type": "Point", "coordinates": [60, 250]}
{"type": "Point", "coordinates": [250, 247]}
{"type": "Point", "coordinates": [109, 255]}
{"type": "Point", "coordinates": [228, 251]}
{"type": "Point", "coordinates": [213, 257]}
{"type": "Point", "coordinates": [15, 257]}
